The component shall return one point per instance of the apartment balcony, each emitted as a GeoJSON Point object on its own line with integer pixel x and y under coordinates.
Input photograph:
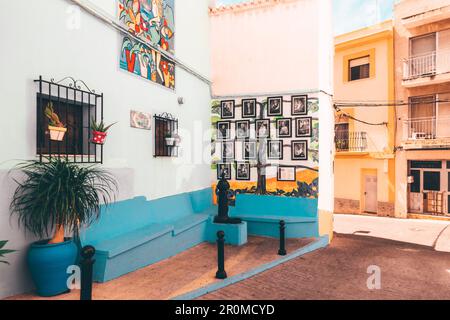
{"type": "Point", "coordinates": [353, 142]}
{"type": "Point", "coordinates": [427, 133]}
{"type": "Point", "coordinates": [432, 68]}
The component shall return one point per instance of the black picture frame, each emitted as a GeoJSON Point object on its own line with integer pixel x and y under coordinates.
{"type": "Point", "coordinates": [239, 136]}
{"type": "Point", "coordinates": [270, 155]}
{"type": "Point", "coordinates": [300, 130]}
{"type": "Point", "coordinates": [267, 122]}
{"type": "Point", "coordinates": [302, 111]}
{"type": "Point", "coordinates": [239, 177]}
{"type": "Point", "coordinates": [247, 115]}
{"type": "Point", "coordinates": [224, 113]}
{"type": "Point", "coordinates": [219, 132]}
{"type": "Point", "coordinates": [305, 155]}
{"type": "Point", "coordinates": [250, 155]}
{"type": "Point", "coordinates": [287, 135]}
{"type": "Point", "coordinates": [270, 107]}
{"type": "Point", "coordinates": [279, 178]}
{"type": "Point", "coordinates": [219, 171]}
{"type": "Point", "coordinates": [226, 144]}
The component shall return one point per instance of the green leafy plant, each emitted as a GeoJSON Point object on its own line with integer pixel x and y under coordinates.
{"type": "Point", "coordinates": [4, 252]}
{"type": "Point", "coordinates": [101, 126]}
{"type": "Point", "coordinates": [58, 195]}
{"type": "Point", "coordinates": [52, 116]}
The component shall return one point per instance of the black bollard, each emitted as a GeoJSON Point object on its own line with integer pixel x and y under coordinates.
{"type": "Point", "coordinates": [221, 273]}
{"type": "Point", "coordinates": [87, 264]}
{"type": "Point", "coordinates": [282, 251]}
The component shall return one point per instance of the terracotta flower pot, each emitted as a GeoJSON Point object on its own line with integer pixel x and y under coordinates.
{"type": "Point", "coordinates": [98, 137]}
{"type": "Point", "coordinates": [57, 133]}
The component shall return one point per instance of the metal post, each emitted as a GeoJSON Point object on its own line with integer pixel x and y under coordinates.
{"type": "Point", "coordinates": [87, 253]}
{"type": "Point", "coordinates": [282, 251]}
{"type": "Point", "coordinates": [221, 273]}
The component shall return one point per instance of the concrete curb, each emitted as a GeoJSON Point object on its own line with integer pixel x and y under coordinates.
{"type": "Point", "coordinates": [321, 242]}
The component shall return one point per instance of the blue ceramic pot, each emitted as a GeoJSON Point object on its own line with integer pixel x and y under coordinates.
{"type": "Point", "coordinates": [48, 265]}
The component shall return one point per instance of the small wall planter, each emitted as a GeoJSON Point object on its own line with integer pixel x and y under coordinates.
{"type": "Point", "coordinates": [170, 141]}
{"type": "Point", "coordinates": [57, 133]}
{"type": "Point", "coordinates": [99, 137]}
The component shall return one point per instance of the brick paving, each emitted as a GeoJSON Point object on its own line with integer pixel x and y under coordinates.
{"type": "Point", "coordinates": [339, 271]}
{"type": "Point", "coordinates": [186, 272]}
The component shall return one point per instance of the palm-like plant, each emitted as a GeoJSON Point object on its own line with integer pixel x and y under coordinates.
{"type": "Point", "coordinates": [57, 196]}
{"type": "Point", "coordinates": [101, 126]}
{"type": "Point", "coordinates": [4, 252]}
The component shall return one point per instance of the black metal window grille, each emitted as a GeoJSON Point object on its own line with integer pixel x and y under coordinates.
{"type": "Point", "coordinates": [76, 107]}
{"type": "Point", "coordinates": [164, 124]}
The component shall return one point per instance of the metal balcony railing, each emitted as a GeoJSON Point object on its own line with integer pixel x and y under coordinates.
{"type": "Point", "coordinates": [426, 65]}
{"type": "Point", "coordinates": [427, 128]}
{"type": "Point", "coordinates": [348, 141]}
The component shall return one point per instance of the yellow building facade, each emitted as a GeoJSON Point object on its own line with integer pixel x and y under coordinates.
{"type": "Point", "coordinates": [365, 121]}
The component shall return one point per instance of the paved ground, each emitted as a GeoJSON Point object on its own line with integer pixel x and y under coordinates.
{"type": "Point", "coordinates": [431, 233]}
{"type": "Point", "coordinates": [408, 271]}
{"type": "Point", "coordinates": [185, 272]}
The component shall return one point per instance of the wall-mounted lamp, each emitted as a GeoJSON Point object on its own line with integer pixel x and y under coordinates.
{"type": "Point", "coordinates": [410, 179]}
{"type": "Point", "coordinates": [180, 101]}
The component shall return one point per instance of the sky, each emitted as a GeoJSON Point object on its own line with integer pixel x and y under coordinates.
{"type": "Point", "coordinates": [350, 15]}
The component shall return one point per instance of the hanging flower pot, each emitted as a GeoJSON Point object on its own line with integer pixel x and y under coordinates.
{"type": "Point", "coordinates": [99, 137]}
{"type": "Point", "coordinates": [56, 127]}
{"type": "Point", "coordinates": [57, 133]}
{"type": "Point", "coordinates": [170, 141]}
{"type": "Point", "coordinates": [99, 132]}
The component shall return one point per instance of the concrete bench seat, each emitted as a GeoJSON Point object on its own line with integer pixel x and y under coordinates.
{"type": "Point", "coordinates": [263, 215]}
{"type": "Point", "coordinates": [189, 222]}
{"type": "Point", "coordinates": [135, 233]}
{"type": "Point", "coordinates": [277, 219]}
{"type": "Point", "coordinates": [123, 243]}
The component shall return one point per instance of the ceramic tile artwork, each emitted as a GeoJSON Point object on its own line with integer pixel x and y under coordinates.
{"type": "Point", "coordinates": [153, 22]}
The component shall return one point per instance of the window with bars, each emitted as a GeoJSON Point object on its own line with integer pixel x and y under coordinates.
{"type": "Point", "coordinates": [76, 108]}
{"type": "Point", "coordinates": [359, 68]}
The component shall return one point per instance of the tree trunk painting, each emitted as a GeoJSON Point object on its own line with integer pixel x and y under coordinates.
{"type": "Point", "coordinates": [261, 186]}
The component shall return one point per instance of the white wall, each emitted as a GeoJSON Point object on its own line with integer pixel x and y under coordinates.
{"type": "Point", "coordinates": [39, 43]}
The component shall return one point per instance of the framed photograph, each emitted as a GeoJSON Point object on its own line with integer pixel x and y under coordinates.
{"type": "Point", "coordinates": [227, 150]}
{"type": "Point", "coordinates": [224, 168]}
{"type": "Point", "coordinates": [249, 150]}
{"type": "Point", "coordinates": [286, 173]}
{"type": "Point", "coordinates": [299, 105]}
{"type": "Point", "coordinates": [243, 129]}
{"type": "Point", "coordinates": [300, 150]}
{"type": "Point", "coordinates": [263, 128]}
{"type": "Point", "coordinates": [243, 171]}
{"type": "Point", "coordinates": [249, 108]}
{"type": "Point", "coordinates": [140, 120]}
{"type": "Point", "coordinates": [224, 130]}
{"type": "Point", "coordinates": [275, 149]}
{"type": "Point", "coordinates": [275, 106]}
{"type": "Point", "coordinates": [303, 127]}
{"type": "Point", "coordinates": [227, 109]}
{"type": "Point", "coordinates": [284, 128]}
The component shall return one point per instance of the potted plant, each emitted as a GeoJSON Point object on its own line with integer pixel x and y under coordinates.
{"type": "Point", "coordinates": [56, 128]}
{"type": "Point", "coordinates": [177, 139]}
{"type": "Point", "coordinates": [170, 139]}
{"type": "Point", "coordinates": [99, 131]}
{"type": "Point", "coordinates": [55, 199]}
{"type": "Point", "coordinates": [4, 252]}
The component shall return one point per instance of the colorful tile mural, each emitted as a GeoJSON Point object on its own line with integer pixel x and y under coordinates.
{"type": "Point", "coordinates": [152, 21]}
{"type": "Point", "coordinates": [264, 153]}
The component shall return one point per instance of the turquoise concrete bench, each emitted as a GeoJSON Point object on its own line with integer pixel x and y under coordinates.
{"type": "Point", "coordinates": [263, 215]}
{"type": "Point", "coordinates": [135, 233]}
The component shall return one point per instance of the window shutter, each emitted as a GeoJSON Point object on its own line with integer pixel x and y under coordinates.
{"type": "Point", "coordinates": [423, 45]}
{"type": "Point", "coordinates": [359, 62]}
